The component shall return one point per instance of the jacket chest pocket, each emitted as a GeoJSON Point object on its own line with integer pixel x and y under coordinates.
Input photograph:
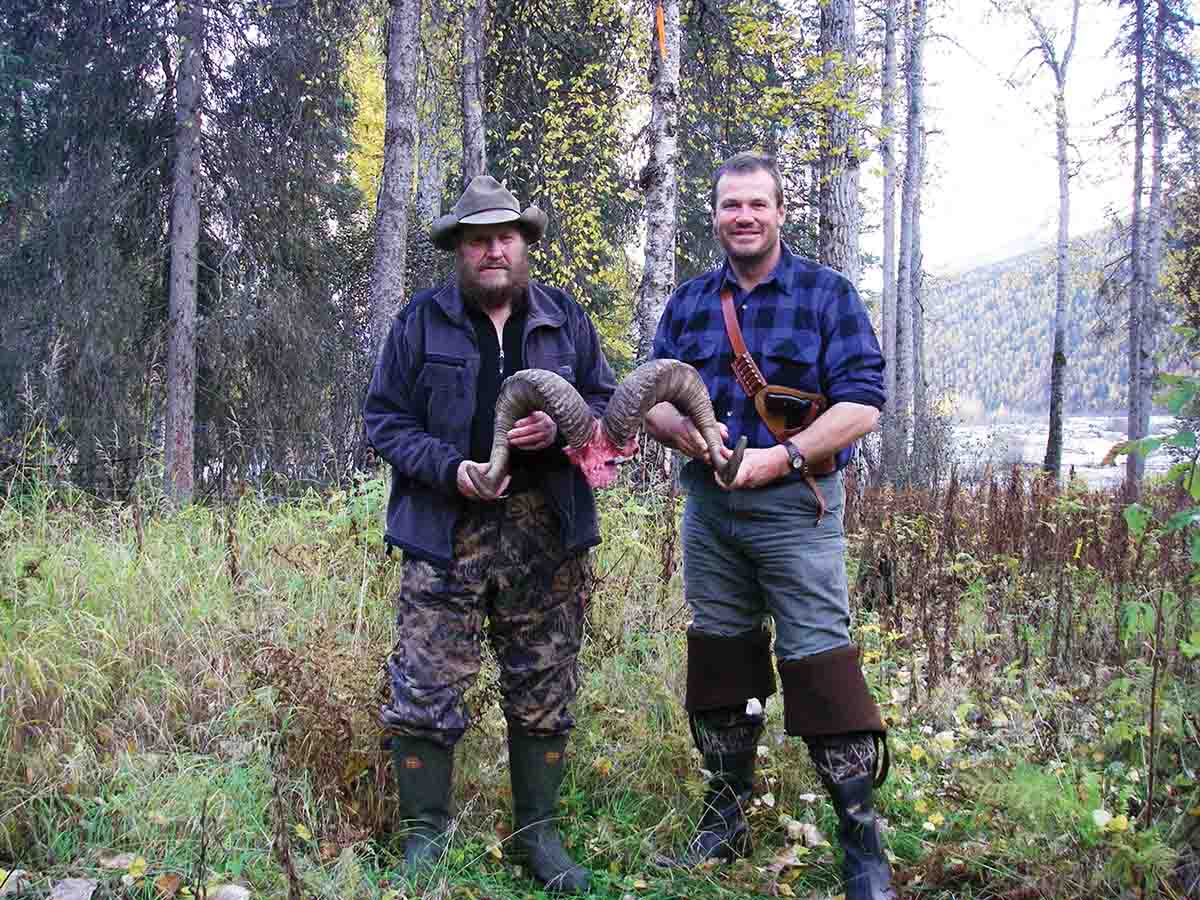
{"type": "Point", "coordinates": [561, 363]}
{"type": "Point", "coordinates": [448, 403]}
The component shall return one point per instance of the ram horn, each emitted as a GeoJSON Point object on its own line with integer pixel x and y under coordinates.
{"type": "Point", "coordinates": [677, 383]}
{"type": "Point", "coordinates": [522, 393]}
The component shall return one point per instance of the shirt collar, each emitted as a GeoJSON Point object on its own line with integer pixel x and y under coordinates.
{"type": "Point", "coordinates": [781, 276]}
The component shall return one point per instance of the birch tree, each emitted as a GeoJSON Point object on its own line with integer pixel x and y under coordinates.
{"type": "Point", "coordinates": [1048, 47]}
{"type": "Point", "coordinates": [896, 458]}
{"type": "Point", "coordinates": [474, 142]}
{"type": "Point", "coordinates": [887, 151]}
{"type": "Point", "coordinates": [396, 179]}
{"type": "Point", "coordinates": [179, 426]}
{"type": "Point", "coordinates": [659, 178]}
{"type": "Point", "coordinates": [838, 210]}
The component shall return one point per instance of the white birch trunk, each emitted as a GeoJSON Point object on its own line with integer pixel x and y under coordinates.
{"type": "Point", "coordinates": [902, 405]}
{"type": "Point", "coordinates": [473, 49]}
{"type": "Point", "coordinates": [660, 182]}
{"type": "Point", "coordinates": [888, 155]}
{"type": "Point", "coordinates": [838, 213]}
{"type": "Point", "coordinates": [179, 429]}
{"type": "Point", "coordinates": [1052, 462]}
{"type": "Point", "coordinates": [396, 180]}
{"type": "Point", "coordinates": [921, 429]}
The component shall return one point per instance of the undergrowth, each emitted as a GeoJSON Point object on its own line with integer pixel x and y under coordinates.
{"type": "Point", "coordinates": [197, 690]}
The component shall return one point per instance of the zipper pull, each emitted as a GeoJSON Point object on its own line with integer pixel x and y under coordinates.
{"type": "Point", "coordinates": [501, 362]}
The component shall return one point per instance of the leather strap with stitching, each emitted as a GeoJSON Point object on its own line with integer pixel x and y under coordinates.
{"type": "Point", "coordinates": [750, 378]}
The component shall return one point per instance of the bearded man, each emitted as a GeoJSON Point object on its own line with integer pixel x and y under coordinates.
{"type": "Point", "coordinates": [521, 561]}
{"type": "Point", "coordinates": [788, 355]}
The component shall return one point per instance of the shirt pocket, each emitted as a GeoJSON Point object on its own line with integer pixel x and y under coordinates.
{"type": "Point", "coordinates": [792, 361]}
{"type": "Point", "coordinates": [701, 351]}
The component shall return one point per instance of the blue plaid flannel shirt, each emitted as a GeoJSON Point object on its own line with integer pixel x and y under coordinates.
{"type": "Point", "coordinates": [805, 326]}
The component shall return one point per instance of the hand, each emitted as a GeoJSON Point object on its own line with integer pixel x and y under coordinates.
{"type": "Point", "coordinates": [467, 489]}
{"type": "Point", "coordinates": [536, 431]}
{"type": "Point", "coordinates": [686, 438]}
{"type": "Point", "coordinates": [759, 467]}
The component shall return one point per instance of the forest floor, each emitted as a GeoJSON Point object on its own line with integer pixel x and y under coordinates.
{"type": "Point", "coordinates": [188, 699]}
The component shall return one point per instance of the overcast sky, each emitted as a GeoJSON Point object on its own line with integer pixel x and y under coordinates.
{"type": "Point", "coordinates": [992, 190]}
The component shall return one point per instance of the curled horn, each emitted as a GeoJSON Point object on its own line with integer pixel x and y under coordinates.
{"type": "Point", "coordinates": [676, 383]}
{"type": "Point", "coordinates": [522, 393]}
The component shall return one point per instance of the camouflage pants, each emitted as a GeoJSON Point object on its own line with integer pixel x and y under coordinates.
{"type": "Point", "coordinates": [509, 568]}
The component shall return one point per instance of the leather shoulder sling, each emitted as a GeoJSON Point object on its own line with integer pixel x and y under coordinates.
{"type": "Point", "coordinates": [784, 410]}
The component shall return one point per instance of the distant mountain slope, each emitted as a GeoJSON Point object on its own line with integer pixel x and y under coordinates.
{"type": "Point", "coordinates": [988, 334]}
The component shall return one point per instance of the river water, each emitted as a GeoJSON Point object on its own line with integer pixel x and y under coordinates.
{"type": "Point", "coordinates": [1086, 440]}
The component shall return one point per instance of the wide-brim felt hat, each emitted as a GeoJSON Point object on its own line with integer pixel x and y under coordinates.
{"type": "Point", "coordinates": [486, 202]}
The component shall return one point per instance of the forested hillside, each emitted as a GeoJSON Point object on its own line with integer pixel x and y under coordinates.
{"type": "Point", "coordinates": [988, 333]}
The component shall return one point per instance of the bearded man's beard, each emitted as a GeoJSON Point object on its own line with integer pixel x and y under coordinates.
{"type": "Point", "coordinates": [486, 297]}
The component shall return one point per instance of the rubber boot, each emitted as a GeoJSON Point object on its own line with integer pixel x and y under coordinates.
{"type": "Point", "coordinates": [424, 771]}
{"type": "Point", "coordinates": [865, 868]}
{"type": "Point", "coordinates": [536, 768]}
{"type": "Point", "coordinates": [723, 834]}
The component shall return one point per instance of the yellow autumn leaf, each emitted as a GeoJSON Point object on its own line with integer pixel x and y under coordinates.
{"type": "Point", "coordinates": [920, 806]}
{"type": "Point", "coordinates": [602, 766]}
{"type": "Point", "coordinates": [1118, 823]}
{"type": "Point", "coordinates": [302, 832]}
{"type": "Point", "coordinates": [495, 852]}
{"type": "Point", "coordinates": [917, 752]}
{"type": "Point", "coordinates": [640, 885]}
{"type": "Point", "coordinates": [137, 868]}
{"type": "Point", "coordinates": [938, 819]}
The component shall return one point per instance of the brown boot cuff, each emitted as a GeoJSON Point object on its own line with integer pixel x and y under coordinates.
{"type": "Point", "coordinates": [728, 671]}
{"type": "Point", "coordinates": [827, 694]}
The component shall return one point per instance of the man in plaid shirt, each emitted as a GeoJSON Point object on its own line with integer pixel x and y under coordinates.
{"type": "Point", "coordinates": [762, 545]}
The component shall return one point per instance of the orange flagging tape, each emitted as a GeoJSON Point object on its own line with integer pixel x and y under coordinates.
{"type": "Point", "coordinates": [662, 32]}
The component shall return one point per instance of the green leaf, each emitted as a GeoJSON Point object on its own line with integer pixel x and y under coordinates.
{"type": "Point", "coordinates": [1191, 647]}
{"type": "Point", "coordinates": [1183, 519]}
{"type": "Point", "coordinates": [1181, 395]}
{"type": "Point", "coordinates": [1185, 439]}
{"type": "Point", "coordinates": [1137, 517]}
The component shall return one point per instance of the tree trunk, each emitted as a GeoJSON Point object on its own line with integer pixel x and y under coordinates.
{"type": "Point", "coordinates": [1134, 465]}
{"type": "Point", "coordinates": [660, 181]}
{"type": "Point", "coordinates": [1058, 354]}
{"type": "Point", "coordinates": [902, 406]}
{"type": "Point", "coordinates": [430, 170]}
{"type": "Point", "coordinates": [425, 265]}
{"type": "Point", "coordinates": [473, 50]}
{"type": "Point", "coordinates": [888, 154]}
{"type": "Point", "coordinates": [1154, 228]}
{"type": "Point", "coordinates": [837, 230]}
{"type": "Point", "coordinates": [922, 463]}
{"type": "Point", "coordinates": [396, 179]}
{"type": "Point", "coordinates": [179, 428]}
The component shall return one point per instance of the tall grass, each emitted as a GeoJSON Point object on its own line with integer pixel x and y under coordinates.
{"type": "Point", "coordinates": [200, 688]}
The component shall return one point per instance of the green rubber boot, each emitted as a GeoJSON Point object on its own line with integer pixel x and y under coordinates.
{"type": "Point", "coordinates": [536, 767]}
{"type": "Point", "coordinates": [424, 771]}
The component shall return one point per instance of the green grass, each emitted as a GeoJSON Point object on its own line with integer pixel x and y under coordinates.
{"type": "Point", "coordinates": [171, 682]}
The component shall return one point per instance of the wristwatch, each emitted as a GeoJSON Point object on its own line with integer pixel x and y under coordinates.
{"type": "Point", "coordinates": [795, 458]}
